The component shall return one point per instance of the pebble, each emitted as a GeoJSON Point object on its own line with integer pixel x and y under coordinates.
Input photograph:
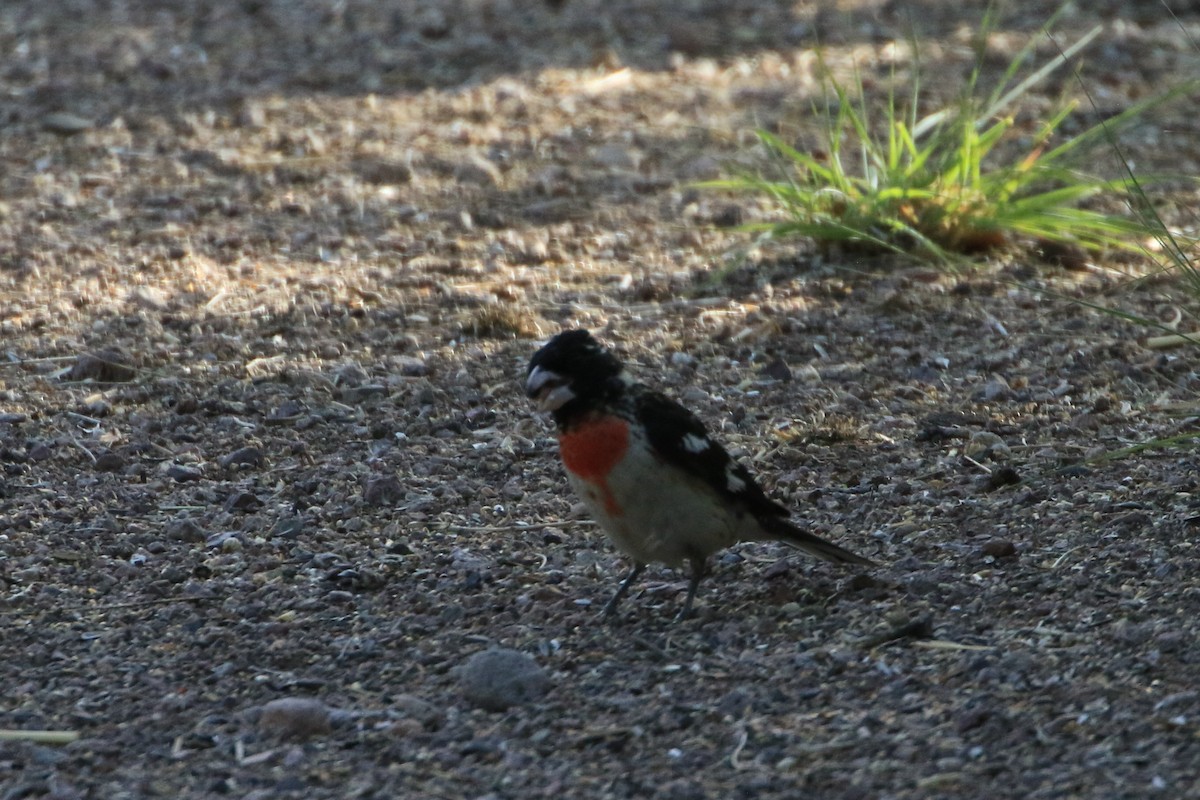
{"type": "Point", "coordinates": [1001, 477]}
{"type": "Point", "coordinates": [778, 370]}
{"type": "Point", "coordinates": [295, 718]}
{"type": "Point", "coordinates": [995, 389]}
{"type": "Point", "coordinates": [547, 212]}
{"type": "Point", "coordinates": [287, 411]}
{"type": "Point", "coordinates": [109, 462]}
{"type": "Point", "coordinates": [384, 490]}
{"type": "Point", "coordinates": [983, 442]}
{"type": "Point", "coordinates": [497, 679]}
{"type": "Point", "coordinates": [64, 123]}
{"type": "Point", "coordinates": [729, 216]}
{"type": "Point", "coordinates": [999, 548]}
{"type": "Point", "coordinates": [383, 172]}
{"type": "Point", "coordinates": [103, 366]}
{"type": "Point", "coordinates": [186, 530]}
{"type": "Point", "coordinates": [96, 406]}
{"type": "Point", "coordinates": [478, 170]}
{"type": "Point", "coordinates": [222, 539]}
{"type": "Point", "coordinates": [288, 527]}
{"type": "Point", "coordinates": [411, 366]}
{"type": "Point", "coordinates": [149, 298]}
{"type": "Point", "coordinates": [181, 474]}
{"type": "Point", "coordinates": [703, 168]}
{"type": "Point", "coordinates": [248, 456]}
{"type": "Point", "coordinates": [682, 359]}
{"type": "Point", "coordinates": [617, 157]}
{"type": "Point", "coordinates": [412, 707]}
{"type": "Point", "coordinates": [241, 501]}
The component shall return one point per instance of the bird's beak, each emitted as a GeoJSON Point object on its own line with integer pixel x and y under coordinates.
{"type": "Point", "coordinates": [547, 389]}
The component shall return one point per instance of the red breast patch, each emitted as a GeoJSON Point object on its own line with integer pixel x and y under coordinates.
{"type": "Point", "coordinates": [590, 451]}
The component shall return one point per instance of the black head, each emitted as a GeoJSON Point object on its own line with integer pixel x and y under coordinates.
{"type": "Point", "coordinates": [572, 371]}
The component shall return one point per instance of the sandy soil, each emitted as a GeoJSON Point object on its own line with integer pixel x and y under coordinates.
{"type": "Point", "coordinates": [269, 275]}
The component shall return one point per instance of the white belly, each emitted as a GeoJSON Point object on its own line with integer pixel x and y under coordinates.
{"type": "Point", "coordinates": [655, 520]}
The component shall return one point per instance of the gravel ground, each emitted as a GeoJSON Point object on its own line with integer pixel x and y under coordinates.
{"type": "Point", "coordinates": [276, 520]}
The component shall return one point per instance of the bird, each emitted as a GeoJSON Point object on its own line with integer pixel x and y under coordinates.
{"type": "Point", "coordinates": [662, 489]}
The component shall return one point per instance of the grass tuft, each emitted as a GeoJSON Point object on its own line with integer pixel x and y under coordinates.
{"type": "Point", "coordinates": [502, 321]}
{"type": "Point", "coordinates": [953, 183]}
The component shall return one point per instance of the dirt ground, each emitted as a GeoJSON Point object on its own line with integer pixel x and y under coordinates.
{"type": "Point", "coordinates": [269, 275]}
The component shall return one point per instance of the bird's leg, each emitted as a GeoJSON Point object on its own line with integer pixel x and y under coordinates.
{"type": "Point", "coordinates": [611, 605]}
{"type": "Point", "coordinates": [699, 570]}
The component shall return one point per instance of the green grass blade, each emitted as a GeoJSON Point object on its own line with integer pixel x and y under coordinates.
{"type": "Point", "coordinates": [1111, 126]}
{"type": "Point", "coordinates": [1040, 74]}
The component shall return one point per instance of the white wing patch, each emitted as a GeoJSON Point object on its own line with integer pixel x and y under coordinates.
{"type": "Point", "coordinates": [696, 444]}
{"type": "Point", "coordinates": [734, 483]}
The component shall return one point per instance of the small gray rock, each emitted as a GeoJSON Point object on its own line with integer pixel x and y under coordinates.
{"type": "Point", "coordinates": [995, 389]}
{"type": "Point", "coordinates": [478, 170]}
{"type": "Point", "coordinates": [103, 366]}
{"type": "Point", "coordinates": [381, 171]}
{"type": "Point", "coordinates": [412, 707]}
{"type": "Point", "coordinates": [109, 462]}
{"type": "Point", "coordinates": [185, 530]}
{"type": "Point", "coordinates": [181, 474]}
{"type": "Point", "coordinates": [498, 678]}
{"type": "Point", "coordinates": [985, 443]}
{"type": "Point", "coordinates": [241, 501]}
{"type": "Point", "coordinates": [383, 490]}
{"type": "Point", "coordinates": [149, 298]}
{"type": "Point", "coordinates": [777, 370]}
{"type": "Point", "coordinates": [249, 456]}
{"type": "Point", "coordinates": [288, 527]}
{"type": "Point", "coordinates": [412, 366]}
{"type": "Point", "coordinates": [999, 548]}
{"type": "Point", "coordinates": [296, 718]}
{"type": "Point", "coordinates": [64, 123]}
{"type": "Point", "coordinates": [729, 216]}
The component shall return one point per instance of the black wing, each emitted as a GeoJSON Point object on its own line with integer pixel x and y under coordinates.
{"type": "Point", "coordinates": [679, 437]}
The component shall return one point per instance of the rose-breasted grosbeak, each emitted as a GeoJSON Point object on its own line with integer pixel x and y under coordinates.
{"type": "Point", "coordinates": [648, 471]}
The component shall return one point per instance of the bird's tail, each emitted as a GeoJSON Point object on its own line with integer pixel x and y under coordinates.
{"type": "Point", "coordinates": [779, 528]}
